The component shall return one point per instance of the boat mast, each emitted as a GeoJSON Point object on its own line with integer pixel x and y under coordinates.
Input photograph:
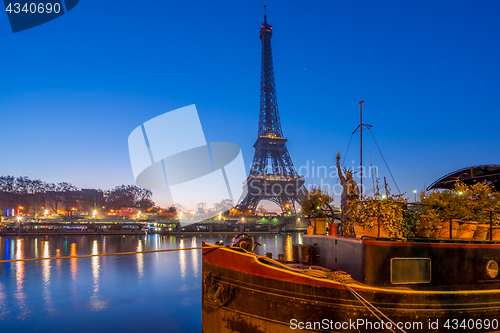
{"type": "Point", "coordinates": [361, 143]}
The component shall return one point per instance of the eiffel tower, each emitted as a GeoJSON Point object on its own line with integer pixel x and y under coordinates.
{"type": "Point", "coordinates": [272, 176]}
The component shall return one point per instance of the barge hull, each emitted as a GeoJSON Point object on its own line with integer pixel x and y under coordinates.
{"type": "Point", "coordinates": [256, 297]}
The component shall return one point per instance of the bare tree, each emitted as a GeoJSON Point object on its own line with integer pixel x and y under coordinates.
{"type": "Point", "coordinates": [57, 193]}
{"type": "Point", "coordinates": [128, 196]}
{"type": "Point", "coordinates": [7, 194]}
{"type": "Point", "coordinates": [224, 205]}
{"type": "Point", "coordinates": [261, 210]}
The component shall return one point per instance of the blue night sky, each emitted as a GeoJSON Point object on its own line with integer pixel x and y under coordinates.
{"type": "Point", "coordinates": [72, 90]}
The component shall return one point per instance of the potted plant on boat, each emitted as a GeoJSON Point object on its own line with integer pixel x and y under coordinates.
{"type": "Point", "coordinates": [379, 216]}
{"type": "Point", "coordinates": [416, 224]}
{"type": "Point", "coordinates": [494, 216]}
{"type": "Point", "coordinates": [443, 207]}
{"type": "Point", "coordinates": [468, 206]}
{"type": "Point", "coordinates": [479, 199]}
{"type": "Point", "coordinates": [316, 206]}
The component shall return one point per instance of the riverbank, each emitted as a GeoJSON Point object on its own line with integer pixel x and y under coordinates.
{"type": "Point", "coordinates": [137, 227]}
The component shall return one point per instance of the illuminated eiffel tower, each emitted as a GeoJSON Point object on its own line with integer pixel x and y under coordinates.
{"type": "Point", "coordinates": [272, 176]}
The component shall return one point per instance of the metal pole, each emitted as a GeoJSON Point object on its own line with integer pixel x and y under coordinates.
{"type": "Point", "coordinates": [491, 225]}
{"type": "Point", "coordinates": [361, 139]}
{"type": "Point", "coordinates": [451, 226]}
{"type": "Point", "coordinates": [378, 222]}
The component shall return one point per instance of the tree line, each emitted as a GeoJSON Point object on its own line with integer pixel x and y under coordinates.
{"type": "Point", "coordinates": [35, 196]}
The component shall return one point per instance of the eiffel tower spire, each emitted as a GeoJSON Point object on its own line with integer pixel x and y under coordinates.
{"type": "Point", "coordinates": [272, 176]}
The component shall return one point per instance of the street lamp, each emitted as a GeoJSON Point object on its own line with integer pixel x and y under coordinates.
{"type": "Point", "coordinates": [415, 193]}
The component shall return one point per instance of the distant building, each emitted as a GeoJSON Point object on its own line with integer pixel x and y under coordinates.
{"type": "Point", "coordinates": [85, 200]}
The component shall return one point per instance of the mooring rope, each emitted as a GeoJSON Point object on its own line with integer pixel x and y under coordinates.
{"type": "Point", "coordinates": [364, 302]}
{"type": "Point", "coordinates": [311, 271]}
{"type": "Point", "coordinates": [106, 254]}
{"type": "Point", "coordinates": [380, 151]}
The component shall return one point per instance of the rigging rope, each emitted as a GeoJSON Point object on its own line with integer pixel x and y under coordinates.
{"type": "Point", "coordinates": [341, 278]}
{"type": "Point", "coordinates": [311, 272]}
{"type": "Point", "coordinates": [349, 145]}
{"type": "Point", "coordinates": [345, 156]}
{"type": "Point", "coordinates": [384, 160]}
{"type": "Point", "coordinates": [364, 302]}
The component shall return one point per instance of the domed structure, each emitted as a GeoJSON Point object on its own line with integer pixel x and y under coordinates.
{"type": "Point", "coordinates": [470, 175]}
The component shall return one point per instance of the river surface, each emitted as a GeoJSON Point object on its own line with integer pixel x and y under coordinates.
{"type": "Point", "coordinates": [158, 292]}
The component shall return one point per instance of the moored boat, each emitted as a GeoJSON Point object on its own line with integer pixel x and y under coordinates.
{"type": "Point", "coordinates": [344, 284]}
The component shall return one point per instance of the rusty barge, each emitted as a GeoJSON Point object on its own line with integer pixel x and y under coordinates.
{"type": "Point", "coordinates": [344, 284]}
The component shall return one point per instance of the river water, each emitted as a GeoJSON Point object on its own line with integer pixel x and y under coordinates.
{"type": "Point", "coordinates": [128, 293]}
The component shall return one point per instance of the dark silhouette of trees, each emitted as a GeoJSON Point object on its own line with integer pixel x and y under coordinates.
{"type": "Point", "coordinates": [59, 194]}
{"type": "Point", "coordinates": [22, 192]}
{"type": "Point", "coordinates": [128, 196]}
{"type": "Point", "coordinates": [7, 193]}
{"type": "Point", "coordinates": [224, 205]}
{"type": "Point", "coordinates": [34, 195]}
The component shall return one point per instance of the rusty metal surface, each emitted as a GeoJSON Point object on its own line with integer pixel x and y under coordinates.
{"type": "Point", "coordinates": [259, 303]}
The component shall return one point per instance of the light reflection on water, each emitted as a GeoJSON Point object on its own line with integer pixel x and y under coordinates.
{"type": "Point", "coordinates": [20, 275]}
{"type": "Point", "coordinates": [4, 310]}
{"type": "Point", "coordinates": [182, 259]}
{"type": "Point", "coordinates": [96, 304]}
{"type": "Point", "coordinates": [194, 257]}
{"type": "Point", "coordinates": [288, 248]}
{"type": "Point", "coordinates": [140, 260]}
{"type": "Point", "coordinates": [46, 266]}
{"type": "Point", "coordinates": [74, 264]}
{"type": "Point", "coordinates": [140, 292]}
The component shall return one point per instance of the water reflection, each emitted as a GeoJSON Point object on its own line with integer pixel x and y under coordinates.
{"type": "Point", "coordinates": [73, 264]}
{"type": "Point", "coordinates": [36, 247]}
{"type": "Point", "coordinates": [104, 291]}
{"type": "Point", "coordinates": [58, 263]}
{"type": "Point", "coordinates": [140, 260]}
{"type": "Point", "coordinates": [276, 243]}
{"type": "Point", "coordinates": [4, 308]}
{"type": "Point", "coordinates": [96, 304]}
{"type": "Point", "coordinates": [46, 265]}
{"type": "Point", "coordinates": [20, 276]}
{"type": "Point", "coordinates": [182, 259]}
{"type": "Point", "coordinates": [288, 248]}
{"type": "Point", "coordinates": [194, 257]}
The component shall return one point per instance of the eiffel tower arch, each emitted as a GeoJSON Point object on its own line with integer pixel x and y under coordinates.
{"type": "Point", "coordinates": [272, 175]}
